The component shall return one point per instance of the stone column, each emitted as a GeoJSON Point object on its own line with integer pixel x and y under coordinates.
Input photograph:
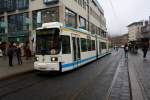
{"type": "Point", "coordinates": [6, 27]}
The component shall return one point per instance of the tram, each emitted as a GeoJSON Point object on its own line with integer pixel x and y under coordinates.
{"type": "Point", "coordinates": [60, 48]}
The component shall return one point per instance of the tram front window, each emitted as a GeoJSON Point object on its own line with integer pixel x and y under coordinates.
{"type": "Point", "coordinates": [47, 41]}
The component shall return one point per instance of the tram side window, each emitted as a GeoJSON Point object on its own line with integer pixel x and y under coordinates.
{"type": "Point", "coordinates": [83, 45]}
{"type": "Point", "coordinates": [100, 48]}
{"type": "Point", "coordinates": [66, 49]}
{"type": "Point", "coordinates": [89, 45]}
{"type": "Point", "coordinates": [93, 44]}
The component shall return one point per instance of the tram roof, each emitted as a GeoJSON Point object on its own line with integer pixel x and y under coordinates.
{"type": "Point", "coordinates": [51, 25]}
{"type": "Point", "coordinates": [60, 25]}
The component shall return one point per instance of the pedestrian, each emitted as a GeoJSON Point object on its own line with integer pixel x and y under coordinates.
{"type": "Point", "coordinates": [145, 49]}
{"type": "Point", "coordinates": [136, 48]}
{"type": "Point", "coordinates": [126, 50]}
{"type": "Point", "coordinates": [10, 53]}
{"type": "Point", "coordinates": [18, 53]}
{"type": "Point", "coordinates": [28, 53]}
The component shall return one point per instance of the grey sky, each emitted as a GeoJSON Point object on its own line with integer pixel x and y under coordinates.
{"type": "Point", "coordinates": [120, 13]}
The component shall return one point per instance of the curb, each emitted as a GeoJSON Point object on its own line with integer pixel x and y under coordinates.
{"type": "Point", "coordinates": [137, 93]}
{"type": "Point", "coordinates": [31, 70]}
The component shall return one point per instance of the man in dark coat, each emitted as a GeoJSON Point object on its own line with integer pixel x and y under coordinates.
{"type": "Point", "coordinates": [145, 49]}
{"type": "Point", "coordinates": [126, 50]}
{"type": "Point", "coordinates": [10, 53]}
{"type": "Point", "coordinates": [18, 53]}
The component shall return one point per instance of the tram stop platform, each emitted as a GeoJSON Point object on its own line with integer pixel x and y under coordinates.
{"type": "Point", "coordinates": [139, 71]}
{"type": "Point", "coordinates": [132, 79]}
{"type": "Point", "coordinates": [6, 71]}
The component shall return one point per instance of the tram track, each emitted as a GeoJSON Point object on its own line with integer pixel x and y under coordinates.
{"type": "Point", "coordinates": [90, 83]}
{"type": "Point", "coordinates": [9, 87]}
{"type": "Point", "coordinates": [21, 83]}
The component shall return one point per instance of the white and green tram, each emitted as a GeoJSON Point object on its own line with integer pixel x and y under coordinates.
{"type": "Point", "coordinates": [60, 48]}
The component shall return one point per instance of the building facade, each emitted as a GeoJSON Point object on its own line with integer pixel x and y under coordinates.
{"type": "Point", "coordinates": [134, 31]}
{"type": "Point", "coordinates": [20, 18]}
{"type": "Point", "coordinates": [145, 30]}
{"type": "Point", "coordinates": [120, 40]}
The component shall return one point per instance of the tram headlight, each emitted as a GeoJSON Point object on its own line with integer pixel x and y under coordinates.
{"type": "Point", "coordinates": [54, 59]}
{"type": "Point", "coordinates": [36, 58]}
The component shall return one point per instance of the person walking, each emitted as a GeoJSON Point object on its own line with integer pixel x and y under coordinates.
{"type": "Point", "coordinates": [18, 53]}
{"type": "Point", "coordinates": [145, 49]}
{"type": "Point", "coordinates": [10, 53]}
{"type": "Point", "coordinates": [126, 50]}
{"type": "Point", "coordinates": [28, 53]}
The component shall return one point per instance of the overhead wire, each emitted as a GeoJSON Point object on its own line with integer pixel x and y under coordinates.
{"type": "Point", "coordinates": [115, 15]}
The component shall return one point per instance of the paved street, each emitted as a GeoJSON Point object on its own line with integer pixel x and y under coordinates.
{"type": "Point", "coordinates": [104, 79]}
{"type": "Point", "coordinates": [90, 82]}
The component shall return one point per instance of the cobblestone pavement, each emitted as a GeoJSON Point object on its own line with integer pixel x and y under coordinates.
{"type": "Point", "coordinates": [142, 69]}
{"type": "Point", "coordinates": [120, 89]}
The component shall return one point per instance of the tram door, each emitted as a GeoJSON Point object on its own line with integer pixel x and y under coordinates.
{"type": "Point", "coordinates": [76, 49]}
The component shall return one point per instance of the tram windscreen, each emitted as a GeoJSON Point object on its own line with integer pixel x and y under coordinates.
{"type": "Point", "coordinates": [47, 41]}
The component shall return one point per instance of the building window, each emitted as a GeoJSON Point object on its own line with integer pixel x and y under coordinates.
{"type": "Point", "coordinates": [82, 23]}
{"type": "Point", "coordinates": [22, 4]}
{"type": "Point", "coordinates": [99, 31]}
{"type": "Point", "coordinates": [93, 29]}
{"type": "Point", "coordinates": [70, 18]}
{"type": "Point", "coordinates": [18, 22]}
{"type": "Point", "coordinates": [50, 1]}
{"type": "Point", "coordinates": [83, 45]}
{"type": "Point", "coordinates": [45, 16]}
{"type": "Point", "coordinates": [66, 49]}
{"type": "Point", "coordinates": [18, 28]}
{"type": "Point", "coordinates": [2, 26]}
{"type": "Point", "coordinates": [84, 4]}
{"type": "Point", "coordinates": [2, 6]}
{"type": "Point", "coordinates": [10, 5]}
{"type": "Point", "coordinates": [103, 45]}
